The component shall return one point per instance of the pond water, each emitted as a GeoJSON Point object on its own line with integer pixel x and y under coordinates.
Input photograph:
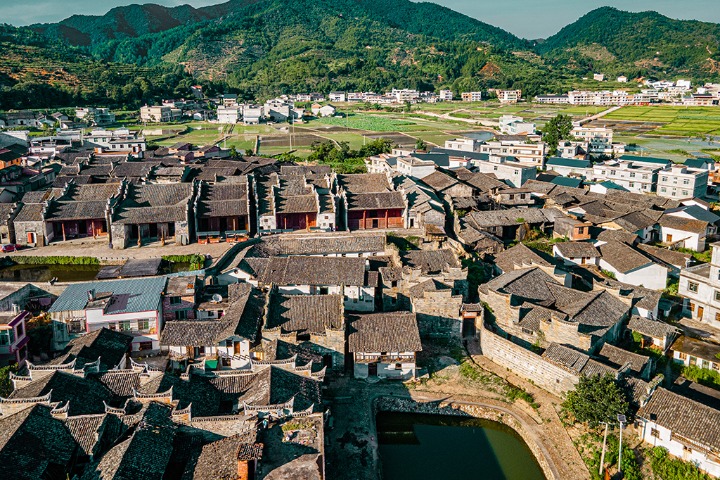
{"type": "Point", "coordinates": [67, 273]}
{"type": "Point", "coordinates": [414, 446]}
{"type": "Point", "coordinates": [43, 273]}
{"type": "Point", "coordinates": [481, 135]}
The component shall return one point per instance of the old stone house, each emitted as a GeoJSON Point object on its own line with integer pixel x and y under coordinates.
{"type": "Point", "coordinates": [313, 322]}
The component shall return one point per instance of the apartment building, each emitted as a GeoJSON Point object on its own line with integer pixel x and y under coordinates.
{"type": "Point", "coordinates": [445, 95]}
{"type": "Point", "coordinates": [700, 289]}
{"type": "Point", "coordinates": [471, 96]}
{"type": "Point", "coordinates": [599, 140]}
{"type": "Point", "coordinates": [634, 177]}
{"type": "Point", "coordinates": [509, 96]}
{"type": "Point", "coordinates": [229, 115]}
{"type": "Point", "coordinates": [504, 168]}
{"type": "Point", "coordinates": [678, 182]}
{"type": "Point", "coordinates": [160, 114]}
{"type": "Point", "coordinates": [519, 148]}
{"type": "Point", "coordinates": [512, 125]}
{"type": "Point", "coordinates": [464, 144]}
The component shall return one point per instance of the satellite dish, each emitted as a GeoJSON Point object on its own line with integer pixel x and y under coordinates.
{"type": "Point", "coordinates": [216, 298]}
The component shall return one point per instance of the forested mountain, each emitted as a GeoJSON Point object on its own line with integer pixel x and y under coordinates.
{"type": "Point", "coordinates": [260, 48]}
{"type": "Point", "coordinates": [647, 43]}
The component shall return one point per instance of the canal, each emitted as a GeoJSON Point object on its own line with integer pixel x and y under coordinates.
{"type": "Point", "coordinates": [417, 446]}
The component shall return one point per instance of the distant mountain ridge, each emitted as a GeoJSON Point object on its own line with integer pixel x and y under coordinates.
{"type": "Point", "coordinates": [261, 48]}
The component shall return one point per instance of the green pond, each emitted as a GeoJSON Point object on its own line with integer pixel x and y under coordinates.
{"type": "Point", "coordinates": [417, 446]}
{"type": "Point", "coordinates": [67, 273]}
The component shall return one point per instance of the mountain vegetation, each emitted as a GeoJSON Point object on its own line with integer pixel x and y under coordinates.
{"type": "Point", "coordinates": [261, 48]}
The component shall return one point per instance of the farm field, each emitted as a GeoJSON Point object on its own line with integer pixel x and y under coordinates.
{"type": "Point", "coordinates": [673, 120]}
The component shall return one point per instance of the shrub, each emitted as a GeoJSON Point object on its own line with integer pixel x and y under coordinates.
{"type": "Point", "coordinates": [668, 468]}
{"type": "Point", "coordinates": [55, 260]}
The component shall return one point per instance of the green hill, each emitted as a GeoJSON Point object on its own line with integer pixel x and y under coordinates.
{"type": "Point", "coordinates": [261, 48]}
{"type": "Point", "coordinates": [636, 44]}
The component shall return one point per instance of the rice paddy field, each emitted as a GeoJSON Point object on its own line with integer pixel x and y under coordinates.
{"type": "Point", "coordinates": [672, 131]}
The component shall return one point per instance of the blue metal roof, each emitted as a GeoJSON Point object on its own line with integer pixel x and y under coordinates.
{"type": "Point", "coordinates": [567, 182]}
{"type": "Point", "coordinates": [141, 294]}
{"type": "Point", "coordinates": [568, 162]}
{"type": "Point", "coordinates": [440, 159]}
{"type": "Point", "coordinates": [613, 186]}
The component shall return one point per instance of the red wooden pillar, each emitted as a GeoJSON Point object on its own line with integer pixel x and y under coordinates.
{"type": "Point", "coordinates": [363, 219]}
{"type": "Point", "coordinates": [387, 214]}
{"type": "Point", "coordinates": [62, 225]}
{"type": "Point", "coordinates": [92, 225]}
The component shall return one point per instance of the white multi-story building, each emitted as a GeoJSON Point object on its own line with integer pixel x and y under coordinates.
{"type": "Point", "coordinates": [513, 125]}
{"type": "Point", "coordinates": [503, 168]}
{"type": "Point", "coordinates": [464, 144]}
{"type": "Point", "coordinates": [446, 95]}
{"type": "Point", "coordinates": [229, 114]}
{"type": "Point", "coordinates": [160, 114]}
{"type": "Point", "coordinates": [509, 96]}
{"type": "Point", "coordinates": [405, 95]}
{"type": "Point", "coordinates": [599, 140]}
{"type": "Point", "coordinates": [700, 289]}
{"type": "Point", "coordinates": [337, 97]}
{"type": "Point", "coordinates": [522, 150]}
{"type": "Point", "coordinates": [116, 141]}
{"type": "Point", "coordinates": [636, 178]}
{"type": "Point", "coordinates": [680, 183]}
{"type": "Point", "coordinates": [471, 96]}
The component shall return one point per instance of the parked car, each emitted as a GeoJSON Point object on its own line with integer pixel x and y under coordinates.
{"type": "Point", "coordinates": [9, 248]}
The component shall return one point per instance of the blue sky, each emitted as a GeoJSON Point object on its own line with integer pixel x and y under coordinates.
{"type": "Point", "coordinates": [525, 18]}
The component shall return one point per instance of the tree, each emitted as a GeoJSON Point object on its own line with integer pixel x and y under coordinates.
{"type": "Point", "coordinates": [420, 144]}
{"type": "Point", "coordinates": [234, 153]}
{"type": "Point", "coordinates": [6, 385]}
{"type": "Point", "coordinates": [596, 399]}
{"type": "Point", "coordinates": [558, 128]}
{"type": "Point", "coordinates": [249, 152]}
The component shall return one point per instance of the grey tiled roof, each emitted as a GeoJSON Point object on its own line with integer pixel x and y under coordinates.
{"type": "Point", "coordinates": [652, 328]}
{"type": "Point", "coordinates": [684, 417]}
{"type": "Point", "coordinates": [519, 256]}
{"type": "Point", "coordinates": [300, 270]}
{"type": "Point", "coordinates": [326, 244]}
{"type": "Point", "coordinates": [34, 444]}
{"type": "Point", "coordinates": [684, 224]}
{"type": "Point", "coordinates": [154, 203]}
{"type": "Point", "coordinates": [375, 201]}
{"type": "Point", "coordinates": [577, 249]}
{"type": "Point", "coordinates": [219, 460]}
{"type": "Point", "coordinates": [87, 431]}
{"type": "Point", "coordinates": [622, 257]}
{"type": "Point", "coordinates": [105, 344]}
{"type": "Point", "coordinates": [305, 313]}
{"type": "Point", "coordinates": [618, 358]}
{"type": "Point", "coordinates": [384, 332]}
{"type": "Point", "coordinates": [430, 261]}
{"type": "Point", "coordinates": [223, 200]}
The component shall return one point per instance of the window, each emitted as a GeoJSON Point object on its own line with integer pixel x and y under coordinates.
{"type": "Point", "coordinates": [682, 356]}
{"type": "Point", "coordinates": [693, 287]}
{"type": "Point", "coordinates": [685, 192]}
{"type": "Point", "coordinates": [632, 174]}
{"type": "Point", "coordinates": [398, 366]}
{"type": "Point", "coordinates": [175, 300]}
{"type": "Point", "coordinates": [143, 325]}
{"type": "Point", "coordinates": [654, 433]}
{"type": "Point", "coordinates": [686, 182]}
{"type": "Point", "coordinates": [663, 189]}
{"type": "Point", "coordinates": [717, 295]}
{"type": "Point", "coordinates": [664, 179]}
{"type": "Point", "coordinates": [145, 346]}
{"type": "Point", "coordinates": [393, 284]}
{"type": "Point", "coordinates": [4, 339]}
{"type": "Point", "coordinates": [19, 330]}
{"type": "Point", "coordinates": [124, 326]}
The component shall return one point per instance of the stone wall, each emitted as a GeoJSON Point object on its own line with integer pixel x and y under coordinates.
{"type": "Point", "coordinates": [526, 364]}
{"type": "Point", "coordinates": [43, 234]}
{"type": "Point", "coordinates": [391, 404]}
{"type": "Point", "coordinates": [332, 343]}
{"type": "Point", "coordinates": [438, 314]}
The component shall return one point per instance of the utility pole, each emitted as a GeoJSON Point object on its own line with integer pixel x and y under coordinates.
{"type": "Point", "coordinates": [622, 420]}
{"type": "Point", "coordinates": [602, 455]}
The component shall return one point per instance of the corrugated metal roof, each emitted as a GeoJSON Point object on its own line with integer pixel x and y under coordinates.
{"type": "Point", "coordinates": [142, 294]}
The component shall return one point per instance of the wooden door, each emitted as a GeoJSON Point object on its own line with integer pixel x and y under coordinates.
{"type": "Point", "coordinates": [669, 238]}
{"type": "Point", "coordinates": [701, 310]}
{"type": "Point", "coordinates": [236, 348]}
